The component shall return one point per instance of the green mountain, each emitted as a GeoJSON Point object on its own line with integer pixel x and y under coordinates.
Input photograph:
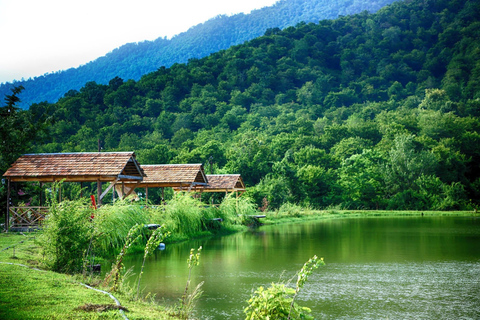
{"type": "Point", "coordinates": [133, 60]}
{"type": "Point", "coordinates": [365, 111]}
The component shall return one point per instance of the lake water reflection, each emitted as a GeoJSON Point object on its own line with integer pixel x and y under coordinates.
{"type": "Point", "coordinates": [395, 268]}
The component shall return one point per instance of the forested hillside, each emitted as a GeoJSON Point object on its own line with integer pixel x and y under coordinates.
{"type": "Point", "coordinates": [365, 111]}
{"type": "Point", "coordinates": [133, 60]}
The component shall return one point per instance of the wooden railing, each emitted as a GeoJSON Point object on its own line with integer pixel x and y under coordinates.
{"type": "Point", "coordinates": [27, 217]}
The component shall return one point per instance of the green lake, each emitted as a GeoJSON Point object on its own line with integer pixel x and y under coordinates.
{"type": "Point", "coordinates": [376, 268]}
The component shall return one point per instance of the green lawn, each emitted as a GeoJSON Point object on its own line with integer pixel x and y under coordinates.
{"type": "Point", "coordinates": [28, 293]}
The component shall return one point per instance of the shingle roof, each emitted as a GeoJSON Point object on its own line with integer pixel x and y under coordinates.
{"type": "Point", "coordinates": [173, 175]}
{"type": "Point", "coordinates": [222, 183]}
{"type": "Point", "coordinates": [103, 166]}
{"type": "Point", "coordinates": [225, 181]}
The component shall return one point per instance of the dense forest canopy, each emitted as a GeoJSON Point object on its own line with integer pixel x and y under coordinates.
{"type": "Point", "coordinates": [373, 111]}
{"type": "Point", "coordinates": [133, 60]}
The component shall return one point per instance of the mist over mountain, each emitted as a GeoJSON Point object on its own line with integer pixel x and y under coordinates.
{"type": "Point", "coordinates": [133, 60]}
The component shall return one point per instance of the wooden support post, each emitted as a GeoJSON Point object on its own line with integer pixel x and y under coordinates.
{"type": "Point", "coordinates": [146, 194]}
{"type": "Point", "coordinates": [41, 193]}
{"type": "Point", "coordinates": [236, 199]}
{"type": "Point", "coordinates": [99, 193]}
{"type": "Point", "coordinates": [112, 185]}
{"type": "Point", "coordinates": [123, 191]}
{"type": "Point", "coordinates": [81, 189]}
{"type": "Point", "coordinates": [132, 189]}
{"type": "Point", "coordinates": [7, 216]}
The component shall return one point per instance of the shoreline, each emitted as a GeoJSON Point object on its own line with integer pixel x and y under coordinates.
{"type": "Point", "coordinates": [45, 289]}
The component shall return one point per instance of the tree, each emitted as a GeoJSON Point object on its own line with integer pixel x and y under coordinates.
{"type": "Point", "coordinates": [15, 130]}
{"type": "Point", "coordinates": [406, 164]}
{"type": "Point", "coordinates": [318, 185]}
{"type": "Point", "coordinates": [360, 180]}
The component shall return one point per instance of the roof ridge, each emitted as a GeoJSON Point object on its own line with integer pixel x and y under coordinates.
{"type": "Point", "coordinates": [173, 164]}
{"type": "Point", "coordinates": [69, 153]}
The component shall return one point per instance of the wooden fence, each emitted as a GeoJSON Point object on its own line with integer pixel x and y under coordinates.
{"type": "Point", "coordinates": [27, 217]}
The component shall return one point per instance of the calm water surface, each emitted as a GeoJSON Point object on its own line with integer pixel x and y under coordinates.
{"type": "Point", "coordinates": [376, 268]}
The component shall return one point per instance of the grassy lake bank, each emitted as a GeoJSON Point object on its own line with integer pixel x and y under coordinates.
{"type": "Point", "coordinates": [30, 293]}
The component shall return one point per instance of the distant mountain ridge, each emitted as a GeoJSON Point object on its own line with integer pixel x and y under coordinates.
{"type": "Point", "coordinates": [133, 60]}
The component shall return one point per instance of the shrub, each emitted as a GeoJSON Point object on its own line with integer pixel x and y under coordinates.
{"type": "Point", "coordinates": [278, 301]}
{"type": "Point", "coordinates": [271, 303]}
{"type": "Point", "coordinates": [290, 209]}
{"type": "Point", "coordinates": [67, 233]}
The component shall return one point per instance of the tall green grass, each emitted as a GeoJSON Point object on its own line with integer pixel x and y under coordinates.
{"type": "Point", "coordinates": [184, 215]}
{"type": "Point", "coordinates": [112, 224]}
{"type": "Point", "coordinates": [70, 234]}
{"type": "Point", "coordinates": [237, 210]}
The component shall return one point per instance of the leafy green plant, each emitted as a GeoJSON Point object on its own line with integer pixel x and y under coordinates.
{"type": "Point", "coordinates": [132, 236]}
{"type": "Point", "coordinates": [294, 210]}
{"type": "Point", "coordinates": [278, 300]}
{"type": "Point", "coordinates": [153, 242]}
{"type": "Point", "coordinates": [187, 302]}
{"type": "Point", "coordinates": [270, 303]}
{"type": "Point", "coordinates": [307, 269]}
{"type": "Point", "coordinates": [66, 235]}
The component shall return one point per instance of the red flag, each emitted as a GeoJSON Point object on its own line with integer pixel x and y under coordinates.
{"type": "Point", "coordinates": [94, 204]}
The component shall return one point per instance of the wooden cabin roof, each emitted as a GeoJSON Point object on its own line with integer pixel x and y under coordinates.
{"type": "Point", "coordinates": [173, 175]}
{"type": "Point", "coordinates": [225, 182]}
{"type": "Point", "coordinates": [222, 183]}
{"type": "Point", "coordinates": [94, 166]}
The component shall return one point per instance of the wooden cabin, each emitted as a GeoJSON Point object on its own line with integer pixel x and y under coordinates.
{"type": "Point", "coordinates": [224, 183]}
{"type": "Point", "coordinates": [181, 177]}
{"type": "Point", "coordinates": [112, 167]}
{"type": "Point", "coordinates": [227, 183]}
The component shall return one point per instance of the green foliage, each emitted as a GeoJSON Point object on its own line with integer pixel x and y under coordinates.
{"type": "Point", "coordinates": [115, 274]}
{"type": "Point", "coordinates": [113, 223]}
{"type": "Point", "coordinates": [134, 60]}
{"type": "Point", "coordinates": [346, 113]}
{"type": "Point", "coordinates": [307, 269]}
{"type": "Point", "coordinates": [184, 215]}
{"type": "Point", "coordinates": [66, 235]}
{"type": "Point", "coordinates": [153, 242]}
{"type": "Point", "coordinates": [278, 300]}
{"type": "Point", "coordinates": [271, 303]}
{"type": "Point", "coordinates": [237, 209]}
{"type": "Point", "coordinates": [18, 129]}
{"type": "Point", "coordinates": [294, 210]}
{"type": "Point", "coordinates": [187, 302]}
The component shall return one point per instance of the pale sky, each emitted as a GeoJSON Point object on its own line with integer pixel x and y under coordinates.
{"type": "Point", "coordinates": [40, 36]}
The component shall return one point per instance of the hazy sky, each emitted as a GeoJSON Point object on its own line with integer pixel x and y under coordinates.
{"type": "Point", "coordinates": [40, 36]}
